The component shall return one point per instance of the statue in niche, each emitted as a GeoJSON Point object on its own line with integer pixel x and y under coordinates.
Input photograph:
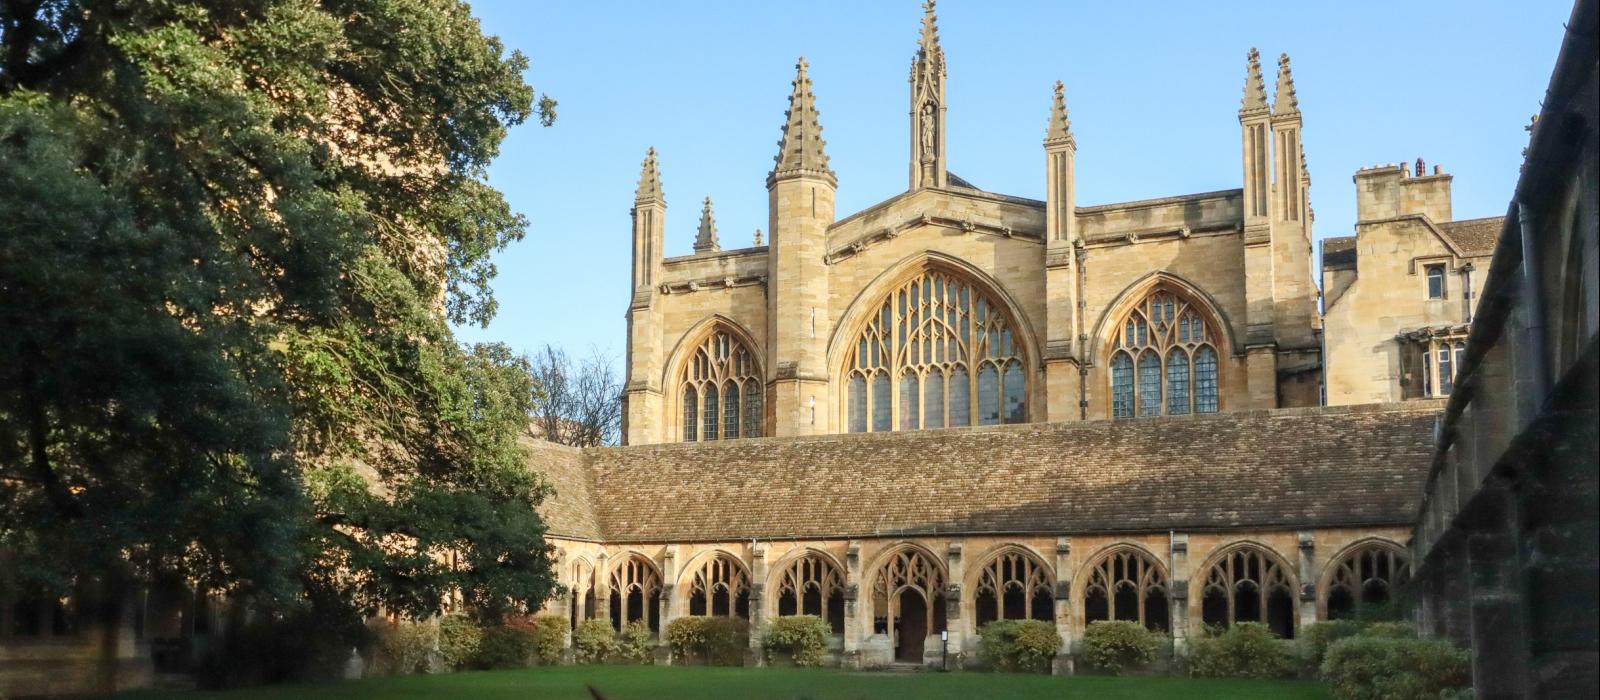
{"type": "Point", "coordinates": [927, 132]}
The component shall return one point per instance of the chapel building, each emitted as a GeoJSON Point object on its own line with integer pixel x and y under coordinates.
{"type": "Point", "coordinates": [951, 306]}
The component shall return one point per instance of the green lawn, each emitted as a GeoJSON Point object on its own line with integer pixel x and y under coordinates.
{"type": "Point", "coordinates": [652, 682]}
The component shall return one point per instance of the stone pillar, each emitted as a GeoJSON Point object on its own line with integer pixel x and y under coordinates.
{"type": "Point", "coordinates": [953, 622]}
{"type": "Point", "coordinates": [1179, 600]}
{"type": "Point", "coordinates": [1063, 601]}
{"type": "Point", "coordinates": [758, 585]}
{"type": "Point", "coordinates": [1308, 572]}
{"type": "Point", "coordinates": [1499, 637]}
{"type": "Point", "coordinates": [852, 611]}
{"type": "Point", "coordinates": [602, 586]}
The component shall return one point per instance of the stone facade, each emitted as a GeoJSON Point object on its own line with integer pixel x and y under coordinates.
{"type": "Point", "coordinates": [1063, 279]}
{"type": "Point", "coordinates": [1310, 493]}
{"type": "Point", "coordinates": [1506, 539]}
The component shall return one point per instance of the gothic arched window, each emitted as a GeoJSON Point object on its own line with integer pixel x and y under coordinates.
{"type": "Point", "coordinates": [721, 587]}
{"type": "Point", "coordinates": [635, 593]}
{"type": "Point", "coordinates": [937, 353]}
{"type": "Point", "coordinates": [1249, 585]}
{"type": "Point", "coordinates": [1163, 360]}
{"type": "Point", "coordinates": [721, 391]}
{"type": "Point", "coordinates": [580, 601]}
{"type": "Point", "coordinates": [813, 585]}
{"type": "Point", "coordinates": [1127, 584]}
{"type": "Point", "coordinates": [1365, 576]}
{"type": "Point", "coordinates": [1014, 586]}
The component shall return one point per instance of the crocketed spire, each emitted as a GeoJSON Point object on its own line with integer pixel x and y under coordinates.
{"type": "Point", "coordinates": [705, 241]}
{"type": "Point", "coordinates": [1284, 101]}
{"type": "Point", "coordinates": [1060, 126]}
{"type": "Point", "coordinates": [801, 151]}
{"type": "Point", "coordinates": [928, 46]}
{"type": "Point", "coordinates": [1255, 88]}
{"type": "Point", "coordinates": [649, 180]}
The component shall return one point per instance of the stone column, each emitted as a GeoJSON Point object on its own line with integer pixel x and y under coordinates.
{"type": "Point", "coordinates": [852, 611]}
{"type": "Point", "coordinates": [953, 622]}
{"type": "Point", "coordinates": [1308, 572]}
{"type": "Point", "coordinates": [1179, 599]}
{"type": "Point", "coordinates": [1063, 601]}
{"type": "Point", "coordinates": [1499, 634]}
{"type": "Point", "coordinates": [758, 585]}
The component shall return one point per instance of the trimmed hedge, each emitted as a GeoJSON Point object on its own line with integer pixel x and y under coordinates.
{"type": "Point", "coordinates": [1114, 646]}
{"type": "Point", "coordinates": [1315, 638]}
{"type": "Point", "coordinates": [1245, 650]}
{"type": "Point", "coordinates": [1395, 668]}
{"type": "Point", "coordinates": [1019, 645]}
{"type": "Point", "coordinates": [805, 637]}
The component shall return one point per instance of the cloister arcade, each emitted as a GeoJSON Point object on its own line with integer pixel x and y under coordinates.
{"type": "Point", "coordinates": [889, 600]}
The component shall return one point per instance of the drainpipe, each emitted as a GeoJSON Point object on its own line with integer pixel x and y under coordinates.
{"type": "Point", "coordinates": [1466, 292]}
{"type": "Point", "coordinates": [1532, 271]}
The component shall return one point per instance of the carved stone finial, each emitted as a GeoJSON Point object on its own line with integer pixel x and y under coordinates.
{"type": "Point", "coordinates": [649, 180]}
{"type": "Point", "coordinates": [758, 237]}
{"type": "Point", "coordinates": [1060, 130]}
{"type": "Point", "coordinates": [928, 44]}
{"type": "Point", "coordinates": [801, 150]}
{"type": "Point", "coordinates": [1255, 87]}
{"type": "Point", "coordinates": [705, 241]}
{"type": "Point", "coordinates": [1284, 102]}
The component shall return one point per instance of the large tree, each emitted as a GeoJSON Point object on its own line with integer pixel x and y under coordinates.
{"type": "Point", "coordinates": [232, 237]}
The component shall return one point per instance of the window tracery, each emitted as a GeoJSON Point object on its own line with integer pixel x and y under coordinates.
{"type": "Point", "coordinates": [721, 391]}
{"type": "Point", "coordinates": [1249, 585]}
{"type": "Point", "coordinates": [720, 587]}
{"type": "Point", "coordinates": [1127, 584]}
{"type": "Point", "coordinates": [1014, 586]}
{"type": "Point", "coordinates": [580, 603]}
{"type": "Point", "coordinates": [813, 585]}
{"type": "Point", "coordinates": [635, 593]}
{"type": "Point", "coordinates": [938, 353]}
{"type": "Point", "coordinates": [1365, 576]}
{"type": "Point", "coordinates": [1164, 359]}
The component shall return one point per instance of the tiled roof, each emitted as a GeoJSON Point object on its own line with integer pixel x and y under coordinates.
{"type": "Point", "coordinates": [1339, 251]}
{"type": "Point", "coordinates": [1475, 236]}
{"type": "Point", "coordinates": [570, 511]}
{"type": "Point", "coordinates": [1323, 467]}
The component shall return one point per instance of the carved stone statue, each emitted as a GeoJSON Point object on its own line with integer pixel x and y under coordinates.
{"type": "Point", "coordinates": [927, 131]}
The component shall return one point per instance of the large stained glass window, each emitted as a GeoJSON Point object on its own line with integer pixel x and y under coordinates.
{"type": "Point", "coordinates": [1164, 360]}
{"type": "Point", "coordinates": [937, 353]}
{"type": "Point", "coordinates": [721, 391]}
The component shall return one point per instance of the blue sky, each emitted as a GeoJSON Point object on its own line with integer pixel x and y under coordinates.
{"type": "Point", "coordinates": [1153, 91]}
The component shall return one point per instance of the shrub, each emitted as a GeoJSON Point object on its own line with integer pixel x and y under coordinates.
{"type": "Point", "coordinates": [1316, 637]}
{"type": "Point", "coordinates": [459, 637]}
{"type": "Point", "coordinates": [727, 638]}
{"type": "Point", "coordinates": [1117, 645]}
{"type": "Point", "coordinates": [594, 641]}
{"type": "Point", "coordinates": [687, 635]}
{"type": "Point", "coordinates": [805, 637]}
{"type": "Point", "coordinates": [720, 640]}
{"type": "Point", "coordinates": [505, 646]}
{"type": "Point", "coordinates": [405, 647]}
{"type": "Point", "coordinates": [549, 637]}
{"type": "Point", "coordinates": [1389, 668]}
{"type": "Point", "coordinates": [1245, 650]}
{"type": "Point", "coordinates": [636, 644]}
{"type": "Point", "coordinates": [299, 643]}
{"type": "Point", "coordinates": [1019, 645]}
{"type": "Point", "coordinates": [1390, 630]}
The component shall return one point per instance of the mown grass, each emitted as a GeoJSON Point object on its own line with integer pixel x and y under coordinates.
{"type": "Point", "coordinates": [654, 682]}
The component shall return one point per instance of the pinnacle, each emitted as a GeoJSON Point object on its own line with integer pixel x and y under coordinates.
{"type": "Point", "coordinates": [1060, 126]}
{"type": "Point", "coordinates": [1284, 102]}
{"type": "Point", "coordinates": [1255, 89]}
{"type": "Point", "coordinates": [705, 241]}
{"type": "Point", "coordinates": [649, 180]}
{"type": "Point", "coordinates": [928, 49]}
{"type": "Point", "coordinates": [802, 147]}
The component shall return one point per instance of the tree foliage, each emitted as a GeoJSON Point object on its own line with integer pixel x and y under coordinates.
{"type": "Point", "coordinates": [235, 234]}
{"type": "Point", "coordinates": [577, 403]}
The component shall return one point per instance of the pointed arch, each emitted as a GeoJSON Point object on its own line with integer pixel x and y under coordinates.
{"type": "Point", "coordinates": [929, 343]}
{"type": "Point", "coordinates": [1247, 581]}
{"type": "Point", "coordinates": [1163, 340]}
{"type": "Point", "coordinates": [1011, 582]}
{"type": "Point", "coordinates": [716, 383]}
{"type": "Point", "coordinates": [716, 583]}
{"type": "Point", "coordinates": [809, 581]}
{"type": "Point", "coordinates": [1367, 572]}
{"type": "Point", "coordinates": [906, 597]}
{"type": "Point", "coordinates": [635, 590]}
{"type": "Point", "coordinates": [1124, 581]}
